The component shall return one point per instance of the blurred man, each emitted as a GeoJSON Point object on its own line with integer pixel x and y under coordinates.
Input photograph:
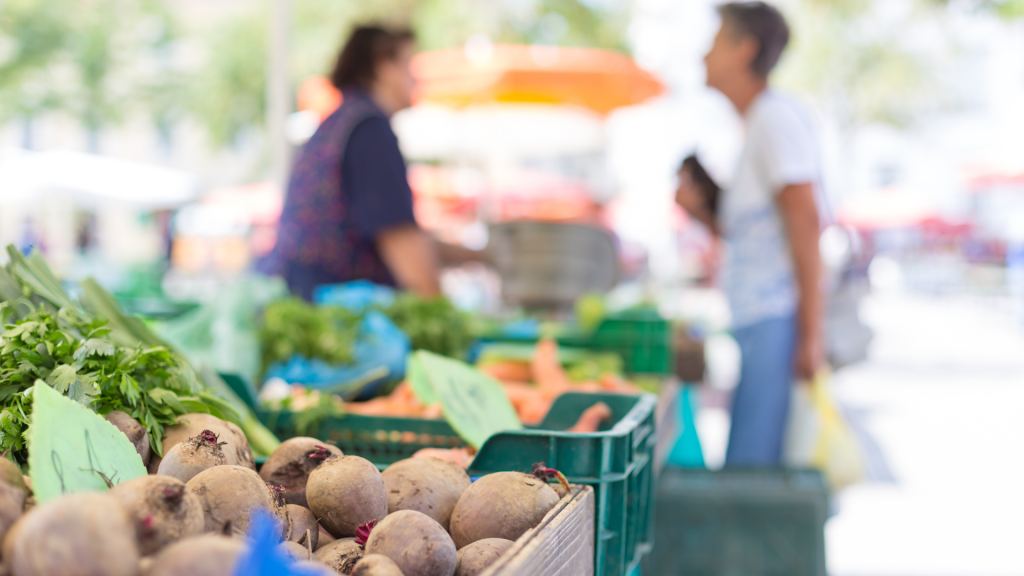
{"type": "Point", "coordinates": [768, 218]}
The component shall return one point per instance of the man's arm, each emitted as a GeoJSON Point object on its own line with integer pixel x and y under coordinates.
{"type": "Point", "coordinates": [411, 256]}
{"type": "Point", "coordinates": [800, 215]}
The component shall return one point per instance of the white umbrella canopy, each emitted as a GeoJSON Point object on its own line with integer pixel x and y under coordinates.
{"type": "Point", "coordinates": [430, 131]}
{"type": "Point", "coordinates": [91, 180]}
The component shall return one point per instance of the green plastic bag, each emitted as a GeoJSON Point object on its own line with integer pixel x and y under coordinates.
{"type": "Point", "coordinates": [223, 335]}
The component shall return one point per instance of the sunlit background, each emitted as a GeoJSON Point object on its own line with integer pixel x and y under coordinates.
{"type": "Point", "coordinates": [145, 142]}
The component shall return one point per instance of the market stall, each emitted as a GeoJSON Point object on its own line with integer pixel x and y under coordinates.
{"type": "Point", "coordinates": [369, 431]}
{"type": "Point", "coordinates": [559, 410]}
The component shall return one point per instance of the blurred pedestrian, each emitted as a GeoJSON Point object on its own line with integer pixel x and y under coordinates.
{"type": "Point", "coordinates": [348, 213]}
{"type": "Point", "coordinates": [769, 220]}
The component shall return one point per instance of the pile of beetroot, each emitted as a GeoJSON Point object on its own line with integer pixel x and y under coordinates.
{"type": "Point", "coordinates": [336, 513]}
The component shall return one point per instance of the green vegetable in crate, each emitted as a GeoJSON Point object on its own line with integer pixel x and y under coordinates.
{"type": "Point", "coordinates": [76, 356]}
{"type": "Point", "coordinates": [27, 284]}
{"type": "Point", "coordinates": [432, 324]}
{"type": "Point", "coordinates": [292, 326]}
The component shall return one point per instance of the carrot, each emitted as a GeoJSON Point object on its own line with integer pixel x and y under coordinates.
{"type": "Point", "coordinates": [433, 411]}
{"type": "Point", "coordinates": [401, 402]}
{"type": "Point", "coordinates": [588, 386]}
{"type": "Point", "coordinates": [547, 370]}
{"type": "Point", "coordinates": [530, 403]}
{"type": "Point", "coordinates": [592, 418]}
{"type": "Point", "coordinates": [614, 383]}
{"type": "Point", "coordinates": [375, 407]}
{"type": "Point", "coordinates": [504, 370]}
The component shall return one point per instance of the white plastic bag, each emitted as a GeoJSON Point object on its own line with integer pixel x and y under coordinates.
{"type": "Point", "coordinates": [819, 437]}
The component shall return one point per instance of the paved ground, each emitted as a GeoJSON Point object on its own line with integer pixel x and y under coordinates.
{"type": "Point", "coordinates": [939, 407]}
{"type": "Point", "coordinates": [941, 404]}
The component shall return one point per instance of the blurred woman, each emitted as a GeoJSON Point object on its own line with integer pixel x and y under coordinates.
{"type": "Point", "coordinates": [348, 214]}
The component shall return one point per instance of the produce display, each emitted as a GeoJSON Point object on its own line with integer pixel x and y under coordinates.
{"type": "Point", "coordinates": [531, 386]}
{"type": "Point", "coordinates": [205, 496]}
{"type": "Point", "coordinates": [420, 517]}
{"type": "Point", "coordinates": [106, 363]}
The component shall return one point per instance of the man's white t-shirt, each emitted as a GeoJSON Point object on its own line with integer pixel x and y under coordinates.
{"type": "Point", "coordinates": [780, 150]}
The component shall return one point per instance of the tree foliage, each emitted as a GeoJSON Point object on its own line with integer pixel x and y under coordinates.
{"type": "Point", "coordinates": [101, 60]}
{"type": "Point", "coordinates": [1008, 9]}
{"type": "Point", "coordinates": [859, 65]}
{"type": "Point", "coordinates": [96, 60]}
{"type": "Point", "coordinates": [229, 96]}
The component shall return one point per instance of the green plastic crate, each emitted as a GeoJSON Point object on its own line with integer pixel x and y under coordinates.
{"type": "Point", "coordinates": [749, 522]}
{"type": "Point", "coordinates": [617, 460]}
{"type": "Point", "coordinates": [641, 337]}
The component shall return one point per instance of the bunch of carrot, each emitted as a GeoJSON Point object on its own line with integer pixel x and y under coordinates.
{"type": "Point", "coordinates": [533, 386]}
{"type": "Point", "coordinates": [402, 402]}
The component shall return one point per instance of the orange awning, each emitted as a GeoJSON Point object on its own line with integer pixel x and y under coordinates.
{"type": "Point", "coordinates": [600, 80]}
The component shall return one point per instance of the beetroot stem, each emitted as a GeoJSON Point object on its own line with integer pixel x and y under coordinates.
{"type": "Point", "coordinates": [363, 532]}
{"type": "Point", "coordinates": [547, 474]}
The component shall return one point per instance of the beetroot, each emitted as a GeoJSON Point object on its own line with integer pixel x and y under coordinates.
{"type": "Point", "coordinates": [163, 509]}
{"type": "Point", "coordinates": [290, 464]}
{"type": "Point", "coordinates": [415, 542]}
{"type": "Point", "coordinates": [376, 565]}
{"type": "Point", "coordinates": [302, 525]}
{"type": "Point", "coordinates": [428, 485]}
{"type": "Point", "coordinates": [479, 555]}
{"type": "Point", "coordinates": [340, 555]}
{"type": "Point", "coordinates": [344, 492]}
{"type": "Point", "coordinates": [236, 446]}
{"type": "Point", "coordinates": [13, 494]}
{"type": "Point", "coordinates": [135, 432]}
{"type": "Point", "coordinates": [78, 534]}
{"type": "Point", "coordinates": [323, 539]}
{"type": "Point", "coordinates": [207, 555]}
{"type": "Point", "coordinates": [230, 495]}
{"type": "Point", "coordinates": [501, 505]}
{"type": "Point", "coordinates": [186, 459]}
{"type": "Point", "coordinates": [295, 550]}
{"type": "Point", "coordinates": [314, 568]}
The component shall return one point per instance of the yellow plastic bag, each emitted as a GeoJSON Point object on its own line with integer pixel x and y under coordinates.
{"type": "Point", "coordinates": [819, 437]}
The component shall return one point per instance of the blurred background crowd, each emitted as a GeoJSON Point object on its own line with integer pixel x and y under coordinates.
{"type": "Point", "coordinates": [916, 101]}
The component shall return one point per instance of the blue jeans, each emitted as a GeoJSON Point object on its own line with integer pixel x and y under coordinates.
{"type": "Point", "coordinates": [760, 403]}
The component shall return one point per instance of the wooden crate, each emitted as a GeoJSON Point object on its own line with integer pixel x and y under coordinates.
{"type": "Point", "coordinates": [562, 544]}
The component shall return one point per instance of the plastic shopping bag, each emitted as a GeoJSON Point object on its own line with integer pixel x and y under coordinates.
{"type": "Point", "coordinates": [381, 345]}
{"type": "Point", "coordinates": [379, 353]}
{"type": "Point", "coordinates": [263, 556]}
{"type": "Point", "coordinates": [819, 437]}
{"type": "Point", "coordinates": [223, 335]}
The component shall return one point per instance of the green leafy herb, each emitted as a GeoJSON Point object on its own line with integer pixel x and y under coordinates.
{"type": "Point", "coordinates": [432, 324]}
{"type": "Point", "coordinates": [308, 421]}
{"type": "Point", "coordinates": [122, 365]}
{"type": "Point", "coordinates": [74, 354]}
{"type": "Point", "coordinates": [292, 326]}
